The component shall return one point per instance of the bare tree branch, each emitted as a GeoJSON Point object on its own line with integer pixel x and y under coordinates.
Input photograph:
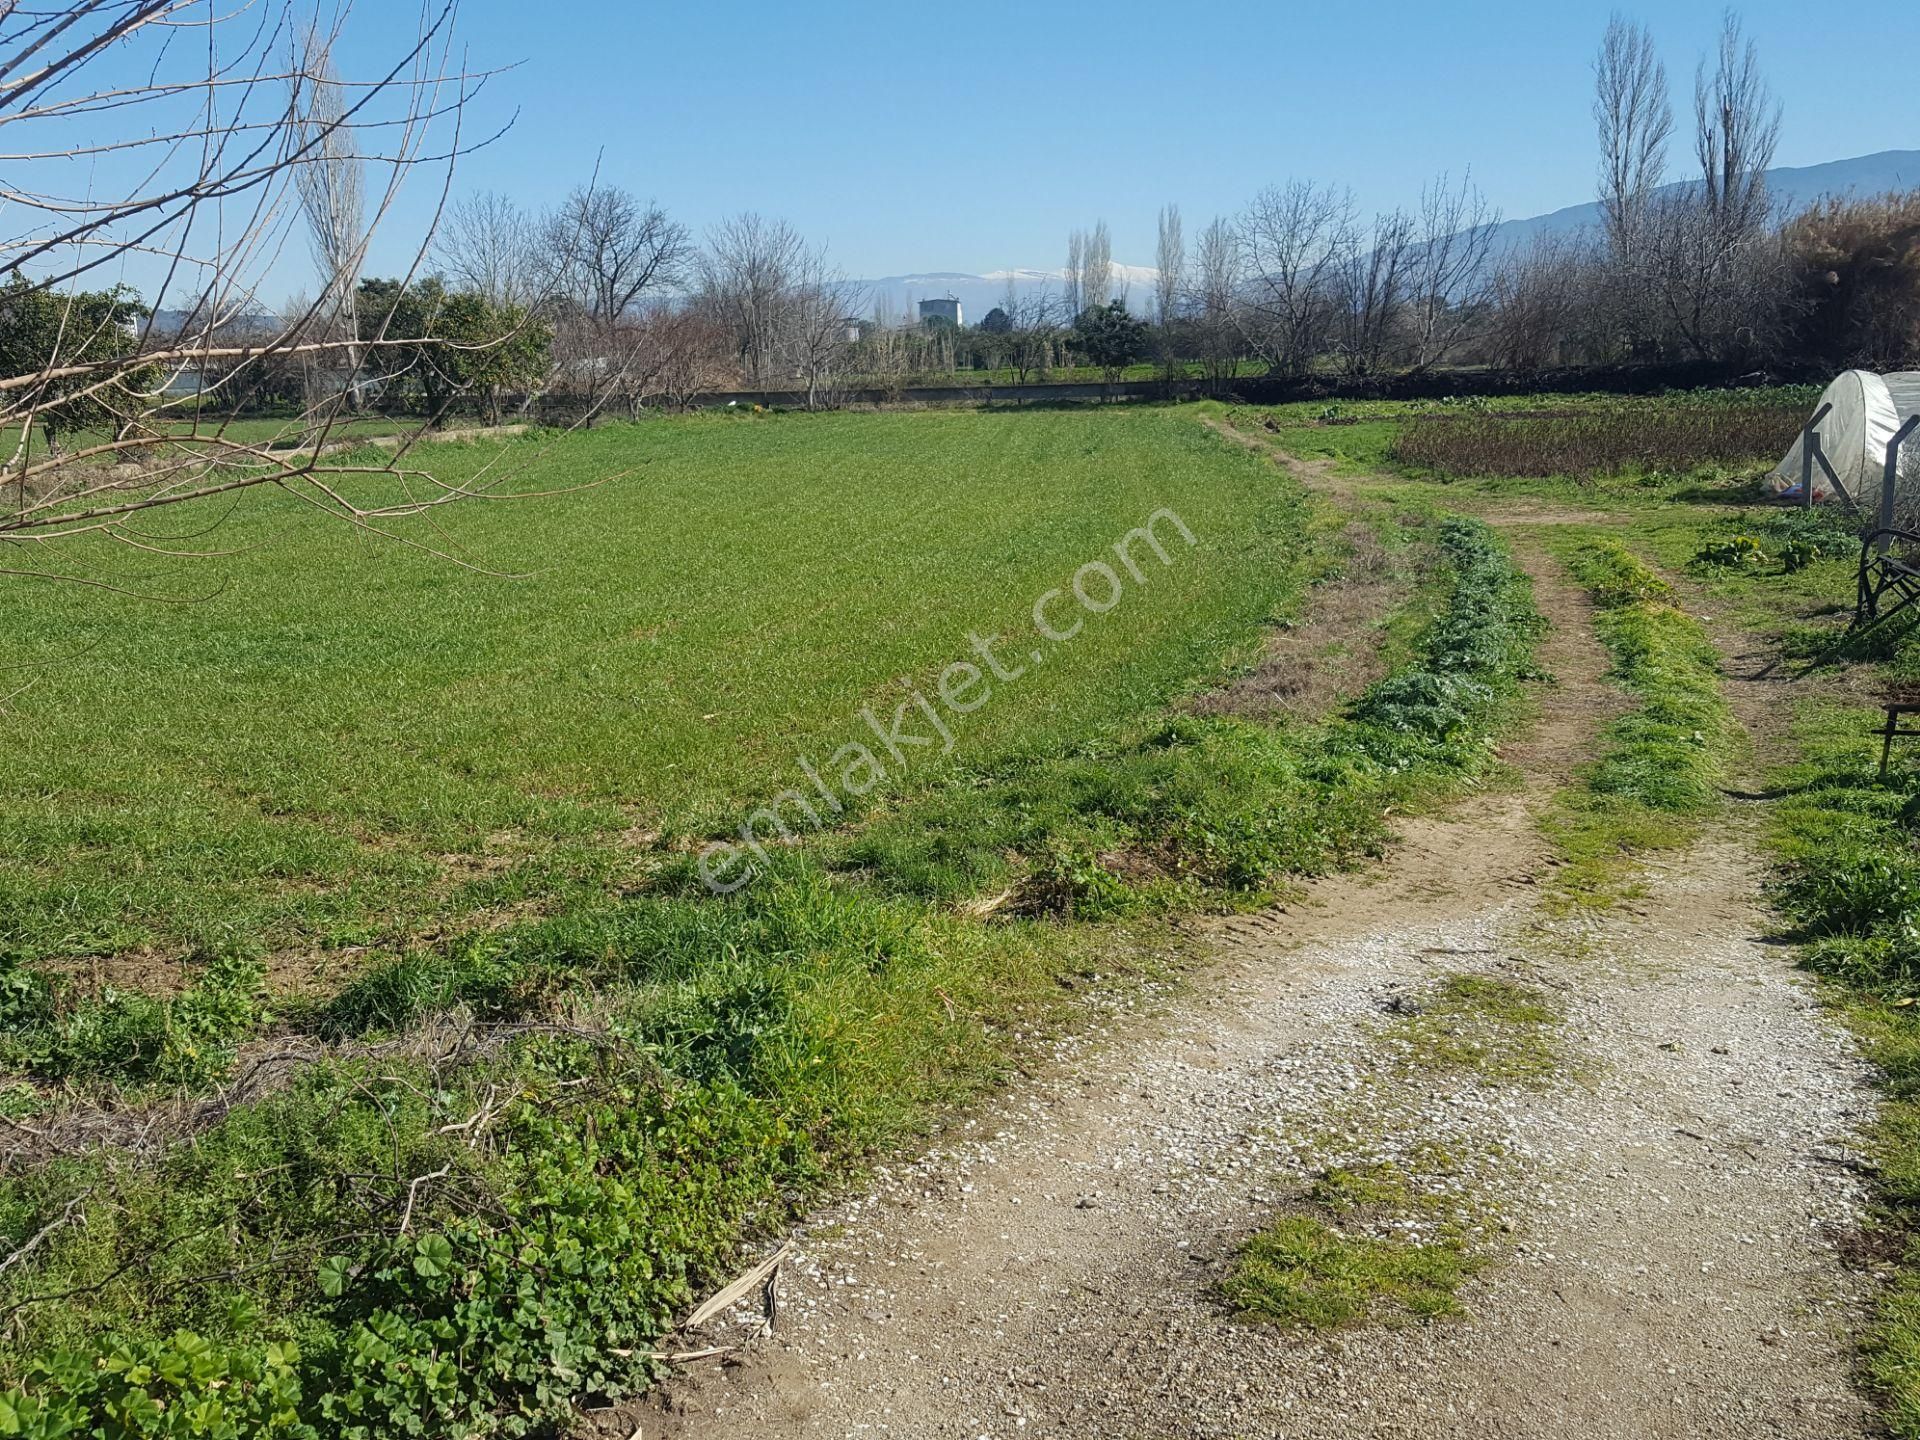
{"type": "Point", "coordinates": [226, 149]}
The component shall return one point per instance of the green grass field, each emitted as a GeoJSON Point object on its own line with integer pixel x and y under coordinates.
{"type": "Point", "coordinates": [324, 749]}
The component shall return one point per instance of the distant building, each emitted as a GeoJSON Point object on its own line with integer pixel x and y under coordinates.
{"type": "Point", "coordinates": [948, 310]}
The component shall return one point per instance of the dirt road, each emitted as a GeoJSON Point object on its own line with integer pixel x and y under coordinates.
{"type": "Point", "coordinates": [1671, 1204]}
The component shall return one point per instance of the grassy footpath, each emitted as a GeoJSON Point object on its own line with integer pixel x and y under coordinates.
{"type": "Point", "coordinates": [1848, 880]}
{"type": "Point", "coordinates": [539, 1142]}
{"type": "Point", "coordinates": [1848, 843]}
{"type": "Point", "coordinates": [1661, 764]}
{"type": "Point", "coordinates": [1663, 761]}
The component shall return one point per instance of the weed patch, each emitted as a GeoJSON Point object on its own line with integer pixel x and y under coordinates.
{"type": "Point", "coordinates": [550, 1204]}
{"type": "Point", "coordinates": [1302, 1271]}
{"type": "Point", "coordinates": [1488, 1026]}
{"type": "Point", "coordinates": [1790, 538]}
{"type": "Point", "coordinates": [49, 1032]}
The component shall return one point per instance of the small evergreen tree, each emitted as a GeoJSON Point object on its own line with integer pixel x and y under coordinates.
{"type": "Point", "coordinates": [1110, 338]}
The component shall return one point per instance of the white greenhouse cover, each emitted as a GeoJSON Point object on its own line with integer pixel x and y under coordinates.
{"type": "Point", "coordinates": [1867, 409]}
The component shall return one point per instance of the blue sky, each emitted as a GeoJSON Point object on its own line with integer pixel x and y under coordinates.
{"type": "Point", "coordinates": [921, 137]}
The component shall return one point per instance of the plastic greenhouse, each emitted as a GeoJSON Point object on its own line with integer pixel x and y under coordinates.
{"type": "Point", "coordinates": [1856, 420]}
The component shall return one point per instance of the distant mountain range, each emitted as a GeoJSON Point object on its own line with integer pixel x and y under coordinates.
{"type": "Point", "coordinates": [1792, 186]}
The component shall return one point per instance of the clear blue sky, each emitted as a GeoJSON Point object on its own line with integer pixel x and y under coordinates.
{"type": "Point", "coordinates": [921, 137]}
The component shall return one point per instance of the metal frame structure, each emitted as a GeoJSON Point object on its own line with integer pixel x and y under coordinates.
{"type": "Point", "coordinates": [1882, 571]}
{"type": "Point", "coordinates": [1810, 452]}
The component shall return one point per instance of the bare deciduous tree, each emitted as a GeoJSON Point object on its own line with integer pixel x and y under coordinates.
{"type": "Point", "coordinates": [690, 349]}
{"type": "Point", "coordinates": [1034, 320]}
{"type": "Point", "coordinates": [1373, 279]}
{"type": "Point", "coordinates": [1170, 261]}
{"type": "Point", "coordinates": [1635, 120]}
{"type": "Point", "coordinates": [820, 324]}
{"type": "Point", "coordinates": [1212, 301]}
{"type": "Point", "coordinates": [1294, 242]}
{"type": "Point", "coordinates": [747, 274]}
{"type": "Point", "coordinates": [607, 250]}
{"type": "Point", "coordinates": [1736, 127]}
{"type": "Point", "coordinates": [1712, 263]}
{"type": "Point", "coordinates": [1450, 269]}
{"type": "Point", "coordinates": [332, 186]}
{"type": "Point", "coordinates": [1534, 302]}
{"type": "Point", "coordinates": [1169, 280]}
{"type": "Point", "coordinates": [1074, 278]}
{"type": "Point", "coordinates": [1715, 287]}
{"type": "Point", "coordinates": [602, 256]}
{"type": "Point", "coordinates": [1096, 274]}
{"type": "Point", "coordinates": [660, 350]}
{"type": "Point", "coordinates": [486, 244]}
